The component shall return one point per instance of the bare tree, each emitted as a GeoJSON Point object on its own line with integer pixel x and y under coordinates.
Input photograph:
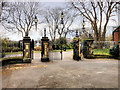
{"type": "Point", "coordinates": [68, 20]}
{"type": "Point", "coordinates": [22, 16]}
{"type": "Point", "coordinates": [53, 19]}
{"type": "Point", "coordinates": [4, 10]}
{"type": "Point", "coordinates": [69, 17]}
{"type": "Point", "coordinates": [95, 12]}
{"type": "Point", "coordinates": [4, 14]}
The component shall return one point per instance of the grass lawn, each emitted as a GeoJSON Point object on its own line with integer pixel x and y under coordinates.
{"type": "Point", "coordinates": [101, 52]}
{"type": "Point", "coordinates": [37, 51]}
{"type": "Point", "coordinates": [69, 49]}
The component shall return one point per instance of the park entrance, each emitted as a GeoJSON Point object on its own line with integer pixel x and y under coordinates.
{"type": "Point", "coordinates": [87, 48]}
{"type": "Point", "coordinates": [83, 48]}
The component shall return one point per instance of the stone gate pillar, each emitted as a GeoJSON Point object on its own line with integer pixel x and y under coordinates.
{"type": "Point", "coordinates": [45, 49]}
{"type": "Point", "coordinates": [90, 47]}
{"type": "Point", "coordinates": [76, 49]}
{"type": "Point", "coordinates": [119, 48]}
{"type": "Point", "coordinates": [26, 49]}
{"type": "Point", "coordinates": [85, 49]}
{"type": "Point", "coordinates": [32, 48]}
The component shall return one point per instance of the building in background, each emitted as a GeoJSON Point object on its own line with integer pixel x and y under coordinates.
{"type": "Point", "coordinates": [116, 34]}
{"type": "Point", "coordinates": [116, 30]}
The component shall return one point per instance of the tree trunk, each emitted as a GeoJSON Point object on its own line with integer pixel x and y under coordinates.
{"type": "Point", "coordinates": [103, 34]}
{"type": "Point", "coordinates": [60, 35]}
{"type": "Point", "coordinates": [96, 34]}
{"type": "Point", "coordinates": [103, 37]}
{"type": "Point", "coordinates": [97, 38]}
{"type": "Point", "coordinates": [54, 40]}
{"type": "Point", "coordinates": [65, 35]}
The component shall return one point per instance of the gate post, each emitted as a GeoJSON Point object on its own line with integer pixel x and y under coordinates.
{"type": "Point", "coordinates": [76, 49]}
{"type": "Point", "coordinates": [119, 47]}
{"type": "Point", "coordinates": [85, 49]}
{"type": "Point", "coordinates": [32, 48]}
{"type": "Point", "coordinates": [45, 49]}
{"type": "Point", "coordinates": [26, 49]}
{"type": "Point", "coordinates": [90, 47]}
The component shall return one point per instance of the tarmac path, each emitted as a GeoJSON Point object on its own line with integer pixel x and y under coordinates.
{"type": "Point", "coordinates": [66, 73]}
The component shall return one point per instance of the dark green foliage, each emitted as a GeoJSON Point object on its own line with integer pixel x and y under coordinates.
{"type": "Point", "coordinates": [13, 49]}
{"type": "Point", "coordinates": [11, 60]}
{"type": "Point", "coordinates": [4, 45]}
{"type": "Point", "coordinates": [56, 47]}
{"type": "Point", "coordinates": [10, 46]}
{"type": "Point", "coordinates": [2, 54]}
{"type": "Point", "coordinates": [62, 41]}
{"type": "Point", "coordinates": [69, 46]}
{"type": "Point", "coordinates": [115, 51]}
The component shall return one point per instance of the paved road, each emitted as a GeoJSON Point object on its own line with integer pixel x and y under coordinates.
{"type": "Point", "coordinates": [66, 73]}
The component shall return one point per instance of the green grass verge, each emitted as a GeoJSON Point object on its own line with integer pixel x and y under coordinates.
{"type": "Point", "coordinates": [69, 49]}
{"type": "Point", "coordinates": [101, 52]}
{"type": "Point", "coordinates": [37, 51]}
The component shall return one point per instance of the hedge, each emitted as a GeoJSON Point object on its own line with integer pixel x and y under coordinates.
{"type": "Point", "coordinates": [11, 60]}
{"type": "Point", "coordinates": [12, 49]}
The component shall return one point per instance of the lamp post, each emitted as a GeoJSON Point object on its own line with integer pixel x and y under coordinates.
{"type": "Point", "coordinates": [62, 16]}
{"type": "Point", "coordinates": [77, 33]}
{"type": "Point", "coordinates": [83, 26]}
{"type": "Point", "coordinates": [44, 32]}
{"type": "Point", "coordinates": [32, 42]}
{"type": "Point", "coordinates": [36, 20]}
{"type": "Point", "coordinates": [61, 42]}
